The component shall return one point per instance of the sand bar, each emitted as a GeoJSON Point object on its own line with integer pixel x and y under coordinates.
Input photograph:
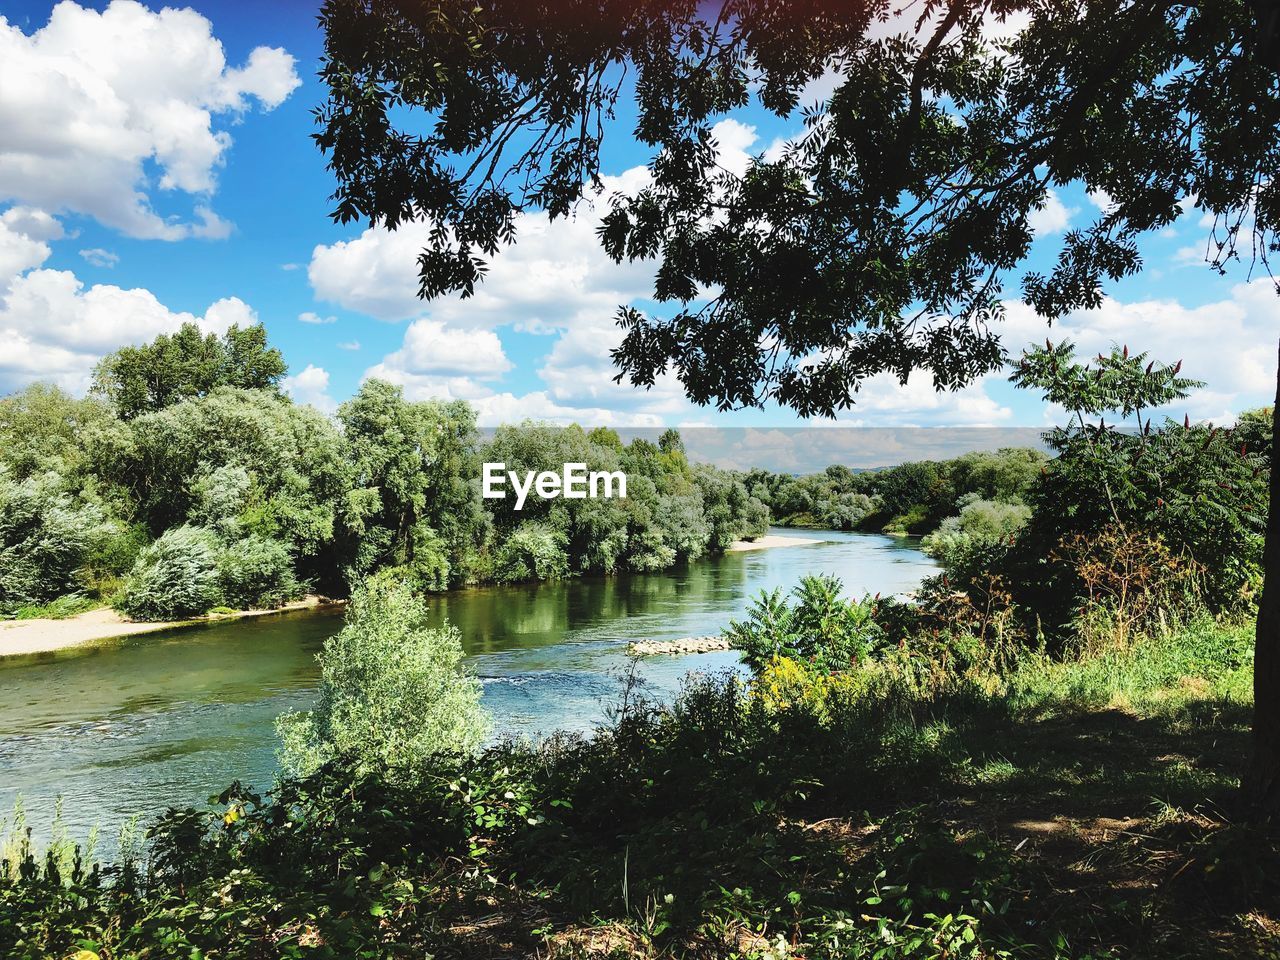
{"type": "Point", "coordinates": [771, 540]}
{"type": "Point", "coordinates": [40, 636]}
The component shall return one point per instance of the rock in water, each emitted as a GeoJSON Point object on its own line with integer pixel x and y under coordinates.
{"type": "Point", "coordinates": [685, 645]}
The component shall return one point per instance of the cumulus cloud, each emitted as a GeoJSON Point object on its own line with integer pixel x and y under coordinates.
{"type": "Point", "coordinates": [437, 361]}
{"type": "Point", "coordinates": [55, 328]}
{"type": "Point", "coordinates": [1230, 343]}
{"type": "Point", "coordinates": [431, 347]}
{"type": "Point", "coordinates": [19, 250]}
{"type": "Point", "coordinates": [308, 316]}
{"type": "Point", "coordinates": [1053, 217]}
{"type": "Point", "coordinates": [94, 101]}
{"type": "Point", "coordinates": [883, 402]}
{"type": "Point", "coordinates": [311, 386]}
{"type": "Point", "coordinates": [553, 277]}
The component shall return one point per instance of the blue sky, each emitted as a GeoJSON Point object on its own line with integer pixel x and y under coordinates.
{"type": "Point", "coordinates": [157, 167]}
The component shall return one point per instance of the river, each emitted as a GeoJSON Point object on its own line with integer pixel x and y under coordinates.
{"type": "Point", "coordinates": [129, 727]}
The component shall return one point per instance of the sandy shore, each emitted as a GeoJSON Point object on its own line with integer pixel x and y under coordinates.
{"type": "Point", "coordinates": [40, 636]}
{"type": "Point", "coordinates": [771, 540]}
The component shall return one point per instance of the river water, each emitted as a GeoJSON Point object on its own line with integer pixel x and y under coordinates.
{"type": "Point", "coordinates": [129, 727]}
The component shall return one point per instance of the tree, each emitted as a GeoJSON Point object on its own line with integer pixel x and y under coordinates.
{"type": "Point", "coordinates": [187, 364]}
{"type": "Point", "coordinates": [393, 690]}
{"type": "Point", "coordinates": [43, 428]}
{"type": "Point", "coordinates": [879, 240]}
{"type": "Point", "coordinates": [413, 465]}
{"type": "Point", "coordinates": [242, 460]}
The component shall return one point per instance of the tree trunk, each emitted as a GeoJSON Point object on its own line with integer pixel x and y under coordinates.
{"type": "Point", "coordinates": [1263, 782]}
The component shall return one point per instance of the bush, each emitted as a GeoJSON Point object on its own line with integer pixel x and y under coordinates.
{"type": "Point", "coordinates": [175, 577]}
{"type": "Point", "coordinates": [46, 536]}
{"type": "Point", "coordinates": [534, 551]}
{"type": "Point", "coordinates": [821, 626]}
{"type": "Point", "coordinates": [979, 522]}
{"type": "Point", "coordinates": [393, 690]}
{"type": "Point", "coordinates": [257, 572]}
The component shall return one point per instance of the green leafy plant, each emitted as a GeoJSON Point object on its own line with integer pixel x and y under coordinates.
{"type": "Point", "coordinates": [817, 624]}
{"type": "Point", "coordinates": [175, 577]}
{"type": "Point", "coordinates": [393, 690]}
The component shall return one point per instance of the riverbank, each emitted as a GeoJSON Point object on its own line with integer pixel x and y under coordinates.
{"type": "Point", "coordinates": [43, 635]}
{"type": "Point", "coordinates": [1059, 808]}
{"type": "Point", "coordinates": [769, 541]}
{"type": "Point", "coordinates": [18, 637]}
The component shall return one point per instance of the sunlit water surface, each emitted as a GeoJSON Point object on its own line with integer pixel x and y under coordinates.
{"type": "Point", "coordinates": [129, 727]}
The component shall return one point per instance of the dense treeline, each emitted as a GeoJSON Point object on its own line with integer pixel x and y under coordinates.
{"type": "Point", "coordinates": [187, 480]}
{"type": "Point", "coordinates": [914, 497]}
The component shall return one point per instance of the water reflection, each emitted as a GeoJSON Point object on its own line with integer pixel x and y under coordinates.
{"type": "Point", "coordinates": [134, 725]}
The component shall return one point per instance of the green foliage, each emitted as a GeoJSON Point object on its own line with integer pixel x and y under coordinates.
{"type": "Point", "coordinates": [43, 428]}
{"type": "Point", "coordinates": [1253, 429]}
{"type": "Point", "coordinates": [175, 577]}
{"type": "Point", "coordinates": [881, 239]}
{"type": "Point", "coordinates": [67, 605]}
{"type": "Point", "coordinates": [256, 572]}
{"type": "Point", "coordinates": [412, 486]}
{"type": "Point", "coordinates": [203, 439]}
{"type": "Point", "coordinates": [980, 523]}
{"type": "Point", "coordinates": [818, 626]}
{"type": "Point", "coordinates": [913, 497]}
{"type": "Point", "coordinates": [182, 459]}
{"type": "Point", "coordinates": [220, 497]}
{"type": "Point", "coordinates": [1196, 488]}
{"type": "Point", "coordinates": [841, 824]}
{"type": "Point", "coordinates": [393, 691]}
{"type": "Point", "coordinates": [533, 551]}
{"type": "Point", "coordinates": [186, 364]}
{"type": "Point", "coordinates": [48, 535]}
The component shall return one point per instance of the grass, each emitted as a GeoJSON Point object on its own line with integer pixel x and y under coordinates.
{"type": "Point", "coordinates": [59, 609]}
{"type": "Point", "coordinates": [1077, 809]}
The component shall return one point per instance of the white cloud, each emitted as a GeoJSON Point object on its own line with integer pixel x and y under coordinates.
{"type": "Point", "coordinates": [431, 347]}
{"type": "Point", "coordinates": [883, 402]}
{"type": "Point", "coordinates": [308, 317]}
{"type": "Point", "coordinates": [1053, 217]}
{"type": "Point", "coordinates": [54, 328]}
{"type": "Point", "coordinates": [437, 362]}
{"type": "Point", "coordinates": [733, 140]}
{"type": "Point", "coordinates": [19, 251]}
{"type": "Point", "coordinates": [98, 257]}
{"type": "Point", "coordinates": [93, 101]}
{"type": "Point", "coordinates": [32, 223]}
{"type": "Point", "coordinates": [311, 386]}
{"type": "Point", "coordinates": [1230, 344]}
{"type": "Point", "coordinates": [554, 276]}
{"type": "Point", "coordinates": [538, 405]}
{"type": "Point", "coordinates": [349, 345]}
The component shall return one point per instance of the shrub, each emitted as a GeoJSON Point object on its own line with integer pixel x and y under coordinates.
{"type": "Point", "coordinates": [979, 522]}
{"type": "Point", "coordinates": [819, 626]}
{"type": "Point", "coordinates": [219, 498]}
{"type": "Point", "coordinates": [46, 535]}
{"type": "Point", "coordinates": [1132, 583]}
{"type": "Point", "coordinates": [534, 551]}
{"type": "Point", "coordinates": [257, 572]}
{"type": "Point", "coordinates": [393, 690]}
{"type": "Point", "coordinates": [177, 576]}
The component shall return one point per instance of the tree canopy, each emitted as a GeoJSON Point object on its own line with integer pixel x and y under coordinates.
{"type": "Point", "coordinates": [173, 367]}
{"type": "Point", "coordinates": [883, 237]}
